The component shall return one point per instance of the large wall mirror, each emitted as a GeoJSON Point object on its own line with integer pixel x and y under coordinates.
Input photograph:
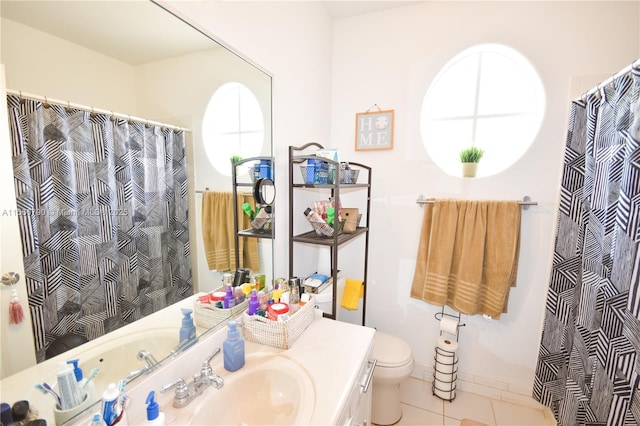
{"type": "Point", "coordinates": [138, 58]}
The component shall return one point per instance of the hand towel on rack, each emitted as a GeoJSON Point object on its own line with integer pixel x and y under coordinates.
{"type": "Point", "coordinates": [353, 292]}
{"type": "Point", "coordinates": [218, 234]}
{"type": "Point", "coordinates": [468, 255]}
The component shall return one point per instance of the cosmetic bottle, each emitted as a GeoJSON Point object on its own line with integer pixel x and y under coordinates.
{"type": "Point", "coordinates": [246, 208]}
{"type": "Point", "coordinates": [233, 348]}
{"type": "Point", "coordinates": [254, 303]}
{"type": "Point", "coordinates": [229, 299]}
{"type": "Point", "coordinates": [154, 416]}
{"type": "Point", "coordinates": [96, 420]}
{"type": "Point", "coordinates": [294, 300]}
{"type": "Point", "coordinates": [110, 404]}
{"type": "Point", "coordinates": [320, 225]}
{"type": "Point", "coordinates": [68, 387]}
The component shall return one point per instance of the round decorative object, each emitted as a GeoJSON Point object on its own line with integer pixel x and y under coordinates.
{"type": "Point", "coordinates": [264, 192]}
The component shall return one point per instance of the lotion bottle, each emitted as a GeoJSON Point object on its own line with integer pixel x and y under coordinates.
{"type": "Point", "coordinates": [229, 299]}
{"type": "Point", "coordinates": [188, 329]}
{"type": "Point", "coordinates": [233, 348]}
{"type": "Point", "coordinates": [154, 416]}
{"type": "Point", "coordinates": [254, 303]}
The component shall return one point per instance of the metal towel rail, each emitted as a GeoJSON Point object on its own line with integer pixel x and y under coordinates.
{"type": "Point", "coordinates": [525, 203]}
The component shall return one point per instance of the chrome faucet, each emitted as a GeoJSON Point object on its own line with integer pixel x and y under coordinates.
{"type": "Point", "coordinates": [148, 358]}
{"type": "Point", "coordinates": [185, 393]}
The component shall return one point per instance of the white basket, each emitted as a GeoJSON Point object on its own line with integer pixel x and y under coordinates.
{"type": "Point", "coordinates": [207, 315]}
{"type": "Point", "coordinates": [281, 334]}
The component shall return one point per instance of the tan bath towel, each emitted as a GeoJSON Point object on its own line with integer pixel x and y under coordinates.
{"type": "Point", "coordinates": [468, 255]}
{"type": "Point", "coordinates": [218, 234]}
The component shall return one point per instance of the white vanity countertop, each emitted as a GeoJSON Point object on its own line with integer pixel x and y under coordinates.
{"type": "Point", "coordinates": [332, 352]}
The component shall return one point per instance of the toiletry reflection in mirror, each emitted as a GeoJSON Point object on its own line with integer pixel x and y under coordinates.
{"type": "Point", "coordinates": [160, 69]}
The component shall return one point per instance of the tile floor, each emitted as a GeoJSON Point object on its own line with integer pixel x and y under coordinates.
{"type": "Point", "coordinates": [421, 408]}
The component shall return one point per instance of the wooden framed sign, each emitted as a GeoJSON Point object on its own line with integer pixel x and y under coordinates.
{"type": "Point", "coordinates": [374, 130]}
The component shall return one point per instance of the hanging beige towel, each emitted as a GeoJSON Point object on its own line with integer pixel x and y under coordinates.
{"type": "Point", "coordinates": [218, 234]}
{"type": "Point", "coordinates": [468, 255]}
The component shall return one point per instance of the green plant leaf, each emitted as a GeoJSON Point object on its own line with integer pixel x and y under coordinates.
{"type": "Point", "coordinates": [471, 155]}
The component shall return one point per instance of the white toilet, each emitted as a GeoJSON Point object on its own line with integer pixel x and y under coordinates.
{"type": "Point", "coordinates": [395, 364]}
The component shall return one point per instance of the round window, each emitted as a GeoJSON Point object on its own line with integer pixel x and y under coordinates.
{"type": "Point", "coordinates": [232, 125]}
{"type": "Point", "coordinates": [488, 96]}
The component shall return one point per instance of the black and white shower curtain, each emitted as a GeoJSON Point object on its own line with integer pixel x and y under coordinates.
{"type": "Point", "coordinates": [102, 206]}
{"type": "Point", "coordinates": [589, 361]}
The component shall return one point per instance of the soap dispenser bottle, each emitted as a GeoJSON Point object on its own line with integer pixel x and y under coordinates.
{"type": "Point", "coordinates": [154, 416]}
{"type": "Point", "coordinates": [188, 330]}
{"type": "Point", "coordinates": [233, 348]}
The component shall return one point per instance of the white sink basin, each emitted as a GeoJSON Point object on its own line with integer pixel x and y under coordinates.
{"type": "Point", "coordinates": [271, 389]}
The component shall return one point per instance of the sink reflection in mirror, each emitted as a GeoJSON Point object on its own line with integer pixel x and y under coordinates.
{"type": "Point", "coordinates": [193, 76]}
{"type": "Point", "coordinates": [269, 389]}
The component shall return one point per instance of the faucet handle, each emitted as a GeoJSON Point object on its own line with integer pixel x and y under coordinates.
{"type": "Point", "coordinates": [182, 390]}
{"type": "Point", "coordinates": [206, 366]}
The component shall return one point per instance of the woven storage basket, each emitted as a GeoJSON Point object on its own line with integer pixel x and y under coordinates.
{"type": "Point", "coordinates": [208, 316]}
{"type": "Point", "coordinates": [280, 334]}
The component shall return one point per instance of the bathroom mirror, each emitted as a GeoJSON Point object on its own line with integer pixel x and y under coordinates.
{"type": "Point", "coordinates": [154, 65]}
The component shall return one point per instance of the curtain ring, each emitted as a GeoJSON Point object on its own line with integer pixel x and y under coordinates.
{"type": "Point", "coordinates": [68, 106]}
{"type": "Point", "coordinates": [93, 112]}
{"type": "Point", "coordinates": [113, 116]}
{"type": "Point", "coordinates": [22, 100]}
{"type": "Point", "coordinates": [46, 103]}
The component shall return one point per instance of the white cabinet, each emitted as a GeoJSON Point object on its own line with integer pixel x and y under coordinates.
{"type": "Point", "coordinates": [357, 411]}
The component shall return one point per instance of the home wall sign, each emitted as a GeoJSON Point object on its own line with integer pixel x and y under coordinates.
{"type": "Point", "coordinates": [374, 129]}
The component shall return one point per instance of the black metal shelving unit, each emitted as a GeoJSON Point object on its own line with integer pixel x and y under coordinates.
{"type": "Point", "coordinates": [297, 157]}
{"type": "Point", "coordinates": [236, 185]}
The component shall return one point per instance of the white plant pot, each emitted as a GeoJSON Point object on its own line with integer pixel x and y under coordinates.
{"type": "Point", "coordinates": [469, 169]}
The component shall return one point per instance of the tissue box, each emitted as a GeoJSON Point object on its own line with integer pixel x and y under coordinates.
{"type": "Point", "coordinates": [330, 153]}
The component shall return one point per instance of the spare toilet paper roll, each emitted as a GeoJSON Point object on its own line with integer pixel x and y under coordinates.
{"type": "Point", "coordinates": [446, 368]}
{"type": "Point", "coordinates": [449, 325]}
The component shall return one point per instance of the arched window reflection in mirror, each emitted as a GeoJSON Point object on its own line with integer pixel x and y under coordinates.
{"type": "Point", "coordinates": [488, 96]}
{"type": "Point", "coordinates": [233, 125]}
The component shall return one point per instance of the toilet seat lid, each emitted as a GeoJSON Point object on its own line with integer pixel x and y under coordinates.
{"type": "Point", "coordinates": [391, 351]}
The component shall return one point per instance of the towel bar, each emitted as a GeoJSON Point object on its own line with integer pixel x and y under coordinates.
{"type": "Point", "coordinates": [525, 203]}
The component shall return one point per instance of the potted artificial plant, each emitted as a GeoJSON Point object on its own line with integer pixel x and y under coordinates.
{"type": "Point", "coordinates": [469, 158]}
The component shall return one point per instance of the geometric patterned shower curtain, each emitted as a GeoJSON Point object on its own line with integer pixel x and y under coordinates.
{"type": "Point", "coordinates": [589, 361]}
{"type": "Point", "coordinates": [102, 206]}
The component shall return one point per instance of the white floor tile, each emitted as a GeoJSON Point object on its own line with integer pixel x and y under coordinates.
{"type": "Point", "coordinates": [413, 416]}
{"type": "Point", "coordinates": [511, 414]}
{"type": "Point", "coordinates": [418, 393]}
{"type": "Point", "coordinates": [470, 406]}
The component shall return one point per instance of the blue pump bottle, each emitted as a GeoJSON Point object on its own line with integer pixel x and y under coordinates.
{"type": "Point", "coordinates": [188, 330]}
{"type": "Point", "coordinates": [233, 348]}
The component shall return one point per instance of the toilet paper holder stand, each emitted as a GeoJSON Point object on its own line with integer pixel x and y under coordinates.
{"type": "Point", "coordinates": [442, 313]}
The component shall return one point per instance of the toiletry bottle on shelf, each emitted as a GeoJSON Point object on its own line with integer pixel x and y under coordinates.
{"type": "Point", "coordinates": [68, 387]}
{"type": "Point", "coordinates": [254, 303]}
{"type": "Point", "coordinates": [229, 298]}
{"type": "Point", "coordinates": [233, 348]}
{"type": "Point", "coordinates": [320, 225]}
{"type": "Point", "coordinates": [246, 208]}
{"type": "Point", "coordinates": [110, 404]}
{"type": "Point", "coordinates": [188, 329]}
{"type": "Point", "coordinates": [154, 416]}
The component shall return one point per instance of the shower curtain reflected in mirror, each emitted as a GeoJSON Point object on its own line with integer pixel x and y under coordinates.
{"type": "Point", "coordinates": [102, 207]}
{"type": "Point", "coordinates": [588, 368]}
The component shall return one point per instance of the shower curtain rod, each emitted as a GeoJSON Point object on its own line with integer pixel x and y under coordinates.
{"type": "Point", "coordinates": [634, 64]}
{"type": "Point", "coordinates": [94, 110]}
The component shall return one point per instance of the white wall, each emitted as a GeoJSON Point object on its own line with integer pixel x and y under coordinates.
{"type": "Point", "coordinates": [389, 58]}
{"type": "Point", "coordinates": [292, 41]}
